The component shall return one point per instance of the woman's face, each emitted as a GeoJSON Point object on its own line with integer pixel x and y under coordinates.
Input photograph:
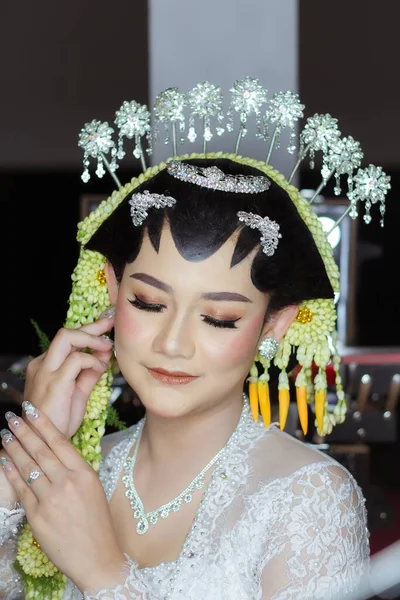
{"type": "Point", "coordinates": [186, 332]}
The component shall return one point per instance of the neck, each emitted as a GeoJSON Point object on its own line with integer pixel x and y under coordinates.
{"type": "Point", "coordinates": [198, 435]}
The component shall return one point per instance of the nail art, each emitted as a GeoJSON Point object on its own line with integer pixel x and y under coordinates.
{"type": "Point", "coordinates": [6, 464]}
{"type": "Point", "coordinates": [30, 410]}
{"type": "Point", "coordinates": [6, 436]}
{"type": "Point", "coordinates": [12, 418]}
{"type": "Point", "coordinates": [108, 313]}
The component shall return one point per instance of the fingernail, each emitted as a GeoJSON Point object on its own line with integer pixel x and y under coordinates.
{"type": "Point", "coordinates": [6, 436]}
{"type": "Point", "coordinates": [108, 313]}
{"type": "Point", "coordinates": [12, 418]}
{"type": "Point", "coordinates": [6, 464]}
{"type": "Point", "coordinates": [108, 339]}
{"type": "Point", "coordinates": [30, 410]}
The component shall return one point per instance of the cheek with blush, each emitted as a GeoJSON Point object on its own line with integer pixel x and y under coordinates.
{"type": "Point", "coordinates": [239, 347]}
{"type": "Point", "coordinates": [128, 324]}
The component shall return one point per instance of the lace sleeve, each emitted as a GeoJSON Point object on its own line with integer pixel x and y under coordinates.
{"type": "Point", "coordinates": [11, 518]}
{"type": "Point", "coordinates": [318, 547]}
{"type": "Point", "coordinates": [128, 587]}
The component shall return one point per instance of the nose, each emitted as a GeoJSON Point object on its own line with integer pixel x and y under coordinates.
{"type": "Point", "coordinates": [175, 338]}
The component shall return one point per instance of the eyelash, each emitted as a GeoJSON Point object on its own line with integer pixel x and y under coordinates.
{"type": "Point", "coordinates": [145, 305]}
{"type": "Point", "coordinates": [138, 303]}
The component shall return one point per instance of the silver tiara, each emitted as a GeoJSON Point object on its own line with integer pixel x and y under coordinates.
{"type": "Point", "coordinates": [269, 230]}
{"type": "Point", "coordinates": [141, 202]}
{"type": "Point", "coordinates": [199, 116]}
{"type": "Point", "coordinates": [214, 178]}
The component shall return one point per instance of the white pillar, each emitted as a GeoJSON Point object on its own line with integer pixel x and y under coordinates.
{"type": "Point", "coordinates": [221, 41]}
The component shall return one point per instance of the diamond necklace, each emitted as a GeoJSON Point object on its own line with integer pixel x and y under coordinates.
{"type": "Point", "coordinates": [146, 519]}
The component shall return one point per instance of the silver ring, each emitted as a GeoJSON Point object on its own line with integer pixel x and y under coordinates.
{"type": "Point", "coordinates": [34, 474]}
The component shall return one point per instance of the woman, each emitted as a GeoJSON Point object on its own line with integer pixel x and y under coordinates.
{"type": "Point", "coordinates": [205, 270]}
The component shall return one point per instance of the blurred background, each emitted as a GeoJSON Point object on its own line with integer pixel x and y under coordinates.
{"type": "Point", "coordinates": [64, 64]}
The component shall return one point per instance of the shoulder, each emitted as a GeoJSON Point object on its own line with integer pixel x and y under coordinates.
{"type": "Point", "coordinates": [301, 475]}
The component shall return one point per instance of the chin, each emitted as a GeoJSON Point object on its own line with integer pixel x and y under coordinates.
{"type": "Point", "coordinates": [165, 400]}
{"type": "Point", "coordinates": [166, 404]}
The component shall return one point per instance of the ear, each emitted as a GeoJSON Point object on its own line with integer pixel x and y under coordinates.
{"type": "Point", "coordinates": [280, 322]}
{"type": "Point", "coordinates": [112, 283]}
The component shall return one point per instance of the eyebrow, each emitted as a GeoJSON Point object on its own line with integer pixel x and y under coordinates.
{"type": "Point", "coordinates": [215, 296]}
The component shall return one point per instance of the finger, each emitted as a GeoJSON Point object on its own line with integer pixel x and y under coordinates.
{"type": "Point", "coordinates": [88, 378]}
{"type": "Point", "coordinates": [22, 489]}
{"type": "Point", "coordinates": [69, 340]}
{"type": "Point", "coordinates": [83, 372]}
{"type": "Point", "coordinates": [34, 365]}
{"type": "Point", "coordinates": [67, 454]}
{"type": "Point", "coordinates": [77, 362]}
{"type": "Point", "coordinates": [21, 468]}
{"type": "Point", "coordinates": [35, 447]}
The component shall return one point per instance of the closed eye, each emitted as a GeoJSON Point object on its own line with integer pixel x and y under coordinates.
{"type": "Point", "coordinates": [141, 305]}
{"type": "Point", "coordinates": [220, 323]}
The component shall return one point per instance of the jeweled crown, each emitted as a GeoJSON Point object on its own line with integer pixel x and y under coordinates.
{"type": "Point", "coordinates": [185, 117]}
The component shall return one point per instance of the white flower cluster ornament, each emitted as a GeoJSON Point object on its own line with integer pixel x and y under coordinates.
{"type": "Point", "coordinates": [168, 109]}
{"type": "Point", "coordinates": [370, 186]}
{"type": "Point", "coordinates": [205, 101]}
{"type": "Point", "coordinates": [96, 141]}
{"type": "Point", "coordinates": [248, 96]}
{"type": "Point", "coordinates": [343, 157]}
{"type": "Point", "coordinates": [133, 121]}
{"type": "Point", "coordinates": [284, 110]}
{"type": "Point", "coordinates": [319, 134]}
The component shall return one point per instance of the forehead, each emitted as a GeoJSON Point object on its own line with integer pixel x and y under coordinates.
{"type": "Point", "coordinates": [212, 273]}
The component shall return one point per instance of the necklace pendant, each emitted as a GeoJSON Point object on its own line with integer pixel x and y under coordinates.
{"type": "Point", "coordinates": [142, 526]}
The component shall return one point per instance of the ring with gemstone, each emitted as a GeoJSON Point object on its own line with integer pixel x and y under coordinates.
{"type": "Point", "coordinates": [34, 474]}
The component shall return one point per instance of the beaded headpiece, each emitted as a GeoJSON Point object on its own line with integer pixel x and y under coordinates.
{"type": "Point", "coordinates": [215, 179]}
{"type": "Point", "coordinates": [182, 118]}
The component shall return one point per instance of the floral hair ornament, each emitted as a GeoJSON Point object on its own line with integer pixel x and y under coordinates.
{"type": "Point", "coordinates": [140, 203]}
{"type": "Point", "coordinates": [312, 336]}
{"type": "Point", "coordinates": [215, 179]}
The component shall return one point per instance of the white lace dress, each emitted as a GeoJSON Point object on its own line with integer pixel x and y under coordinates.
{"type": "Point", "coordinates": [279, 520]}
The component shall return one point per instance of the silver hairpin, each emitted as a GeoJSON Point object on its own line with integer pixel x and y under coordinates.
{"type": "Point", "coordinates": [133, 122]}
{"type": "Point", "coordinates": [141, 202]}
{"type": "Point", "coordinates": [215, 179]}
{"type": "Point", "coordinates": [284, 111]}
{"type": "Point", "coordinates": [370, 186]}
{"type": "Point", "coordinates": [247, 97]}
{"type": "Point", "coordinates": [269, 230]}
{"type": "Point", "coordinates": [205, 101]}
{"type": "Point", "coordinates": [95, 140]}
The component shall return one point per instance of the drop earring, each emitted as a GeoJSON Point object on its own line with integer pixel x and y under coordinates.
{"type": "Point", "coordinates": [268, 348]}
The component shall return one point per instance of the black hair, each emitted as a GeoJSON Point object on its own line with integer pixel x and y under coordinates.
{"type": "Point", "coordinates": [203, 219]}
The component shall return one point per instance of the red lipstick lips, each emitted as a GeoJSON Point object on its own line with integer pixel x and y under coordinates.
{"type": "Point", "coordinates": [171, 377]}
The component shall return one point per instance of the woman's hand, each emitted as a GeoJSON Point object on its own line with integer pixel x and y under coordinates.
{"type": "Point", "coordinates": [60, 381]}
{"type": "Point", "coordinates": [65, 506]}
